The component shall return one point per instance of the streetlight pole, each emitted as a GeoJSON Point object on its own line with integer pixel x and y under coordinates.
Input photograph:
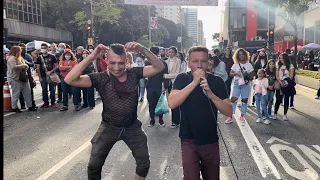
{"type": "Point", "coordinates": [149, 16]}
{"type": "Point", "coordinates": [89, 27]}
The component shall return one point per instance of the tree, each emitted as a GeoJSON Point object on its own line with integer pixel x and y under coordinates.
{"type": "Point", "coordinates": [292, 10]}
{"type": "Point", "coordinates": [216, 36]}
{"type": "Point", "coordinates": [103, 11]}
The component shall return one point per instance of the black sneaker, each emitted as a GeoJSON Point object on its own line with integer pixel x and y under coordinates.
{"type": "Point", "coordinates": [141, 100]}
{"type": "Point", "coordinates": [161, 123]}
{"type": "Point", "coordinates": [64, 108]}
{"type": "Point", "coordinates": [152, 122]}
{"type": "Point", "coordinates": [173, 125]}
{"type": "Point", "coordinates": [17, 110]}
{"type": "Point", "coordinates": [32, 109]}
{"type": "Point", "coordinates": [23, 107]}
{"type": "Point", "coordinates": [84, 107]}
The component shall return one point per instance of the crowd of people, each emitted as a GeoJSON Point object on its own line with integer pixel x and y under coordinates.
{"type": "Point", "coordinates": [197, 84]}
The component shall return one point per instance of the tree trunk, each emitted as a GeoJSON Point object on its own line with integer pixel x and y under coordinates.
{"type": "Point", "coordinates": [295, 40]}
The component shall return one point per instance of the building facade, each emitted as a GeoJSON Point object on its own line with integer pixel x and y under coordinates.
{"type": "Point", "coordinates": [190, 21]}
{"type": "Point", "coordinates": [172, 13]}
{"type": "Point", "coordinates": [23, 23]}
{"type": "Point", "coordinates": [201, 33]}
{"type": "Point", "coordinates": [312, 24]}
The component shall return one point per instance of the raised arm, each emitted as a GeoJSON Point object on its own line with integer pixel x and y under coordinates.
{"type": "Point", "coordinates": [75, 78]}
{"type": "Point", "coordinates": [156, 64]}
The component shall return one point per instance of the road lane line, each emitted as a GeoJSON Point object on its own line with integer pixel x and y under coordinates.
{"type": "Point", "coordinates": [56, 167]}
{"type": "Point", "coordinates": [265, 165]}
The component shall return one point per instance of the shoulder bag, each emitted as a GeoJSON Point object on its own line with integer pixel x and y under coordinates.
{"type": "Point", "coordinates": [53, 78]}
{"type": "Point", "coordinates": [23, 77]}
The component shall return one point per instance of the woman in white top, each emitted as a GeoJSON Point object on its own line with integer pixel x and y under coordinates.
{"type": "Point", "coordinates": [183, 62]}
{"type": "Point", "coordinates": [284, 74]}
{"type": "Point", "coordinates": [243, 72]}
{"type": "Point", "coordinates": [174, 68]}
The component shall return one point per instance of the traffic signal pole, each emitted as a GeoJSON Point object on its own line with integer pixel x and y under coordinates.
{"type": "Point", "coordinates": [89, 26]}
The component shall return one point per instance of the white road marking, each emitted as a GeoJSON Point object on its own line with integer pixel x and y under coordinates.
{"type": "Point", "coordinates": [272, 139]}
{"type": "Point", "coordinates": [316, 147]}
{"type": "Point", "coordinates": [307, 173]}
{"type": "Point", "coordinates": [64, 161]}
{"type": "Point", "coordinates": [259, 155]}
{"type": "Point", "coordinates": [311, 154]}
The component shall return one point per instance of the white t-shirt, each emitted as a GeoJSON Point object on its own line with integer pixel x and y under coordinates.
{"type": "Point", "coordinates": [284, 73]}
{"type": "Point", "coordinates": [247, 67]}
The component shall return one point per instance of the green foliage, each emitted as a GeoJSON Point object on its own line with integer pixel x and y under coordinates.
{"type": "Point", "coordinates": [312, 74]}
{"type": "Point", "coordinates": [144, 40]}
{"type": "Point", "coordinates": [216, 36]}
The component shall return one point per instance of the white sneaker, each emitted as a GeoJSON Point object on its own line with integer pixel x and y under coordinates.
{"type": "Point", "coordinates": [258, 120]}
{"type": "Point", "coordinates": [275, 117]}
{"type": "Point", "coordinates": [264, 118]}
{"type": "Point", "coordinates": [292, 107]}
{"type": "Point", "coordinates": [318, 97]}
{"type": "Point", "coordinates": [285, 118]}
{"type": "Point", "coordinates": [267, 121]}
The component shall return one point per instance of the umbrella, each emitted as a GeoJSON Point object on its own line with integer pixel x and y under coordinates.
{"type": "Point", "coordinates": [311, 46]}
{"type": "Point", "coordinates": [298, 47]}
{"type": "Point", "coordinates": [35, 45]}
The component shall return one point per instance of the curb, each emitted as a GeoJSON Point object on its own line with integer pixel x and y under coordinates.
{"type": "Point", "coordinates": [307, 90]}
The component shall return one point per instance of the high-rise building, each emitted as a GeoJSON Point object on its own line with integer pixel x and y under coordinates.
{"type": "Point", "coordinates": [172, 13]}
{"type": "Point", "coordinates": [200, 33]}
{"type": "Point", "coordinates": [312, 24]}
{"type": "Point", "coordinates": [190, 21]}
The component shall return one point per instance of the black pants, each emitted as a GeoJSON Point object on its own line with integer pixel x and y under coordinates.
{"type": "Point", "coordinates": [175, 113]}
{"type": "Point", "coordinates": [153, 97]}
{"type": "Point", "coordinates": [279, 101]}
{"type": "Point", "coordinates": [318, 93]}
{"type": "Point", "coordinates": [104, 139]}
{"type": "Point", "coordinates": [22, 102]}
{"type": "Point", "coordinates": [228, 84]}
{"type": "Point", "coordinates": [59, 92]}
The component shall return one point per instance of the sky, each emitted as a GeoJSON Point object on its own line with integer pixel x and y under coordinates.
{"type": "Point", "coordinates": [211, 18]}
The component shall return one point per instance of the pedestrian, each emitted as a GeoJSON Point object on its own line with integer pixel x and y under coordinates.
{"type": "Point", "coordinates": [183, 62]}
{"type": "Point", "coordinates": [130, 60]}
{"type": "Point", "coordinates": [61, 48]}
{"type": "Point", "coordinates": [5, 55]}
{"type": "Point", "coordinates": [174, 68]}
{"type": "Point", "coordinates": [118, 88]}
{"type": "Point", "coordinates": [318, 94]}
{"type": "Point", "coordinates": [156, 85]}
{"type": "Point", "coordinates": [142, 83]}
{"type": "Point", "coordinates": [284, 73]}
{"type": "Point", "coordinates": [243, 73]}
{"type": "Point", "coordinates": [88, 92]}
{"type": "Point", "coordinates": [18, 79]}
{"type": "Point", "coordinates": [163, 54]}
{"type": "Point", "coordinates": [260, 86]}
{"type": "Point", "coordinates": [294, 63]}
{"type": "Point", "coordinates": [49, 62]}
{"type": "Point", "coordinates": [219, 68]}
{"type": "Point", "coordinates": [271, 76]}
{"type": "Point", "coordinates": [67, 62]}
{"type": "Point", "coordinates": [199, 95]}
{"type": "Point", "coordinates": [227, 59]}
{"type": "Point", "coordinates": [28, 60]}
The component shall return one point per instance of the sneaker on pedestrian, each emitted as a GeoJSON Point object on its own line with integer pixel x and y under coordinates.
{"type": "Point", "coordinates": [91, 107]}
{"type": "Point", "coordinates": [281, 104]}
{"type": "Point", "coordinates": [291, 107]}
{"type": "Point", "coordinates": [32, 109]}
{"type": "Point", "coordinates": [267, 121]}
{"type": "Point", "coordinates": [64, 108]}
{"type": "Point", "coordinates": [161, 123]}
{"type": "Point", "coordinates": [45, 105]}
{"type": "Point", "coordinates": [23, 107]}
{"type": "Point", "coordinates": [84, 107]}
{"type": "Point", "coordinates": [54, 105]}
{"type": "Point", "coordinates": [285, 118]}
{"type": "Point", "coordinates": [318, 97]}
{"type": "Point", "coordinates": [275, 117]}
{"type": "Point", "coordinates": [229, 120]}
{"type": "Point", "coordinates": [173, 125]}
{"type": "Point", "coordinates": [141, 100]}
{"type": "Point", "coordinates": [152, 122]}
{"type": "Point", "coordinates": [70, 96]}
{"type": "Point", "coordinates": [59, 101]}
{"type": "Point", "coordinates": [77, 107]}
{"type": "Point", "coordinates": [264, 118]}
{"type": "Point", "coordinates": [258, 120]}
{"type": "Point", "coordinates": [242, 119]}
{"type": "Point", "coordinates": [17, 110]}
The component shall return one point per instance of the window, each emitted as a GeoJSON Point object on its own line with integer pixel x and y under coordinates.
{"type": "Point", "coordinates": [10, 14]}
{"type": "Point", "coordinates": [238, 3]}
{"type": "Point", "coordinates": [38, 12]}
{"type": "Point", "coordinates": [25, 17]}
{"type": "Point", "coordinates": [39, 20]}
{"type": "Point", "coordinates": [15, 14]}
{"type": "Point", "coordinates": [317, 34]}
{"type": "Point", "coordinates": [262, 18]}
{"type": "Point", "coordinates": [20, 16]}
{"type": "Point", "coordinates": [238, 18]}
{"type": "Point", "coordinates": [30, 18]}
{"type": "Point", "coordinates": [38, 4]}
{"type": "Point", "coordinates": [29, 9]}
{"type": "Point", "coordinates": [20, 5]}
{"type": "Point", "coordinates": [10, 4]}
{"type": "Point", "coordinates": [34, 11]}
{"type": "Point", "coordinates": [309, 36]}
{"type": "Point", "coordinates": [15, 4]}
{"type": "Point", "coordinates": [35, 18]}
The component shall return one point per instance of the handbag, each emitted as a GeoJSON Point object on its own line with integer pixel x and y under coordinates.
{"type": "Point", "coordinates": [23, 77]}
{"type": "Point", "coordinates": [53, 78]}
{"type": "Point", "coordinates": [162, 105]}
{"type": "Point", "coordinates": [277, 85]}
{"type": "Point", "coordinates": [242, 81]}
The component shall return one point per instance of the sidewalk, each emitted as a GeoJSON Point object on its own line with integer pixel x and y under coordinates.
{"type": "Point", "coordinates": [306, 90]}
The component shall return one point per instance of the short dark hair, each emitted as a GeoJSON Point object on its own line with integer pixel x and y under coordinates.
{"type": "Point", "coordinates": [174, 49]}
{"type": "Point", "coordinates": [118, 49]}
{"type": "Point", "coordinates": [90, 46]}
{"type": "Point", "coordinates": [44, 44]}
{"type": "Point", "coordinates": [288, 51]}
{"type": "Point", "coordinates": [22, 44]}
{"type": "Point", "coordinates": [198, 49]}
{"type": "Point", "coordinates": [155, 50]}
{"type": "Point", "coordinates": [216, 51]}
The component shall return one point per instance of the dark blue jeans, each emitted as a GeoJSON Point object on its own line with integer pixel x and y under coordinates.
{"type": "Point", "coordinates": [67, 88]}
{"type": "Point", "coordinates": [88, 96]}
{"type": "Point", "coordinates": [52, 89]}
